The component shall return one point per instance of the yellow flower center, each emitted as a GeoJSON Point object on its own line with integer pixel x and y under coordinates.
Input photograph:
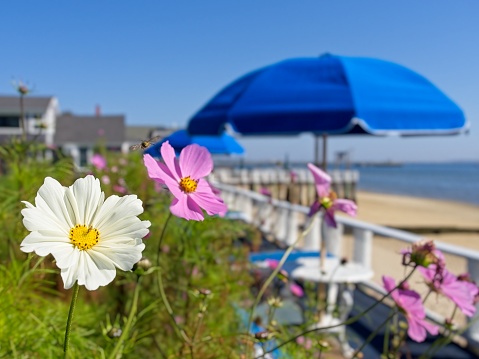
{"type": "Point", "coordinates": [84, 237]}
{"type": "Point", "coordinates": [188, 185]}
{"type": "Point", "coordinates": [327, 202]}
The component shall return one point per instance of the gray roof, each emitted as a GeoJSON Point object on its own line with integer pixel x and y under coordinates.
{"type": "Point", "coordinates": [140, 133]}
{"type": "Point", "coordinates": [11, 104]}
{"type": "Point", "coordinates": [89, 130]}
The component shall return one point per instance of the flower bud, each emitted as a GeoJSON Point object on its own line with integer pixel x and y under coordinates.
{"type": "Point", "coordinates": [263, 336]}
{"type": "Point", "coordinates": [275, 302]}
{"type": "Point", "coordinates": [143, 265]}
{"type": "Point", "coordinates": [115, 333]}
{"type": "Point", "coordinates": [423, 253]}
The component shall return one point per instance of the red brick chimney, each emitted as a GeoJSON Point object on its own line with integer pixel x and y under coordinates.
{"type": "Point", "coordinates": [97, 111]}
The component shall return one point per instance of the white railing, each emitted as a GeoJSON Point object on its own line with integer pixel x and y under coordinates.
{"type": "Point", "coordinates": [297, 183]}
{"type": "Point", "coordinates": [284, 220]}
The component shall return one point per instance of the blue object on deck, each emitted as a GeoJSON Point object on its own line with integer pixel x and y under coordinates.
{"type": "Point", "coordinates": [332, 95]}
{"type": "Point", "coordinates": [224, 144]}
{"type": "Point", "coordinates": [290, 264]}
{"type": "Point", "coordinates": [277, 255]}
{"type": "Point", "coordinates": [255, 328]}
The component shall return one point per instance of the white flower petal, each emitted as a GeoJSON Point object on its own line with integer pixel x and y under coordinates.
{"type": "Point", "coordinates": [89, 272]}
{"type": "Point", "coordinates": [85, 197]}
{"type": "Point", "coordinates": [115, 210]}
{"type": "Point", "coordinates": [66, 256]}
{"type": "Point", "coordinates": [122, 255]}
{"type": "Point", "coordinates": [42, 245]}
{"type": "Point", "coordinates": [50, 206]}
{"type": "Point", "coordinates": [58, 209]}
{"type": "Point", "coordinates": [36, 219]}
{"type": "Point", "coordinates": [134, 229]}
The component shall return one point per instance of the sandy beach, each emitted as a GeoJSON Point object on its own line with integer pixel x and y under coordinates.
{"type": "Point", "coordinates": [412, 213]}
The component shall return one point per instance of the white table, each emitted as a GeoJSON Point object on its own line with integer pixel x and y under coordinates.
{"type": "Point", "coordinates": [340, 280]}
{"type": "Point", "coordinates": [334, 272]}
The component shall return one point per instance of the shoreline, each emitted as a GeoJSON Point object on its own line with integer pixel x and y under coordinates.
{"type": "Point", "coordinates": [402, 211]}
{"type": "Point", "coordinates": [456, 201]}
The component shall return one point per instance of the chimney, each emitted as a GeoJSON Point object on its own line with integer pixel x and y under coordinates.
{"type": "Point", "coordinates": [97, 111]}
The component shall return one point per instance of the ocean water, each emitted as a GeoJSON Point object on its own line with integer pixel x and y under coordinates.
{"type": "Point", "coordinates": [451, 181]}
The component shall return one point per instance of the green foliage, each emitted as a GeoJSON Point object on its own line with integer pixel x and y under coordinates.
{"type": "Point", "coordinates": [194, 256]}
{"type": "Point", "coordinates": [23, 170]}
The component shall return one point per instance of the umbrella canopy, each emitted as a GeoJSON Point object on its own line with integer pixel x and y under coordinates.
{"type": "Point", "coordinates": [330, 95]}
{"type": "Point", "coordinates": [224, 144]}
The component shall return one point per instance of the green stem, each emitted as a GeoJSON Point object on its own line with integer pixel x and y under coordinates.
{"type": "Point", "coordinates": [66, 342]}
{"type": "Point", "coordinates": [180, 332]}
{"type": "Point", "coordinates": [129, 321]}
{"type": "Point", "coordinates": [372, 335]}
{"type": "Point", "coordinates": [199, 322]}
{"type": "Point", "coordinates": [427, 296]}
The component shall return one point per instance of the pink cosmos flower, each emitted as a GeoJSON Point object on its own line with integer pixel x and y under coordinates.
{"type": "Point", "coordinates": [409, 303]}
{"type": "Point", "coordinates": [105, 179]}
{"type": "Point", "coordinates": [293, 176]}
{"type": "Point", "coordinates": [305, 342]}
{"type": "Point", "coordinates": [272, 263]}
{"type": "Point", "coordinates": [265, 192]}
{"type": "Point", "coordinates": [184, 179]}
{"type": "Point", "coordinates": [461, 292]}
{"type": "Point", "coordinates": [296, 289]}
{"type": "Point", "coordinates": [423, 253]}
{"type": "Point", "coordinates": [328, 200]}
{"type": "Point", "coordinates": [98, 161]}
{"type": "Point", "coordinates": [119, 188]}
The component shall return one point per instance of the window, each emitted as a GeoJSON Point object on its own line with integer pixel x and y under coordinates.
{"type": "Point", "coordinates": [9, 121]}
{"type": "Point", "coordinates": [83, 156]}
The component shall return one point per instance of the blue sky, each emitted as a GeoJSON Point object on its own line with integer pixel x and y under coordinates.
{"type": "Point", "coordinates": [159, 61]}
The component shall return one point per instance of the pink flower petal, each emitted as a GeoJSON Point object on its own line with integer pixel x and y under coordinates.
{"type": "Point", "coordinates": [345, 205]}
{"type": "Point", "coordinates": [322, 180]}
{"type": "Point", "coordinates": [460, 292]}
{"type": "Point", "coordinates": [168, 155]}
{"type": "Point", "coordinates": [98, 161]}
{"type": "Point", "coordinates": [416, 330]}
{"type": "Point", "coordinates": [296, 290]}
{"type": "Point", "coordinates": [195, 161]}
{"type": "Point", "coordinates": [207, 200]}
{"type": "Point", "coordinates": [315, 207]}
{"type": "Point", "coordinates": [153, 168]}
{"type": "Point", "coordinates": [272, 263]}
{"type": "Point", "coordinates": [186, 208]}
{"type": "Point", "coordinates": [329, 218]}
{"type": "Point", "coordinates": [389, 283]}
{"type": "Point", "coordinates": [410, 303]}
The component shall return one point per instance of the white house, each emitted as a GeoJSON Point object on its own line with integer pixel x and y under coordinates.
{"type": "Point", "coordinates": [40, 117]}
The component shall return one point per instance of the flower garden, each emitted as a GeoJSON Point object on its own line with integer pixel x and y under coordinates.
{"type": "Point", "coordinates": [137, 258]}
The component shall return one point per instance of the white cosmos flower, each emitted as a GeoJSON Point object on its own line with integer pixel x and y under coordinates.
{"type": "Point", "coordinates": [87, 236]}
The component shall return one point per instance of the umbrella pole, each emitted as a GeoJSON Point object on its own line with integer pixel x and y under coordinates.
{"type": "Point", "coordinates": [325, 142]}
{"type": "Point", "coordinates": [316, 150]}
